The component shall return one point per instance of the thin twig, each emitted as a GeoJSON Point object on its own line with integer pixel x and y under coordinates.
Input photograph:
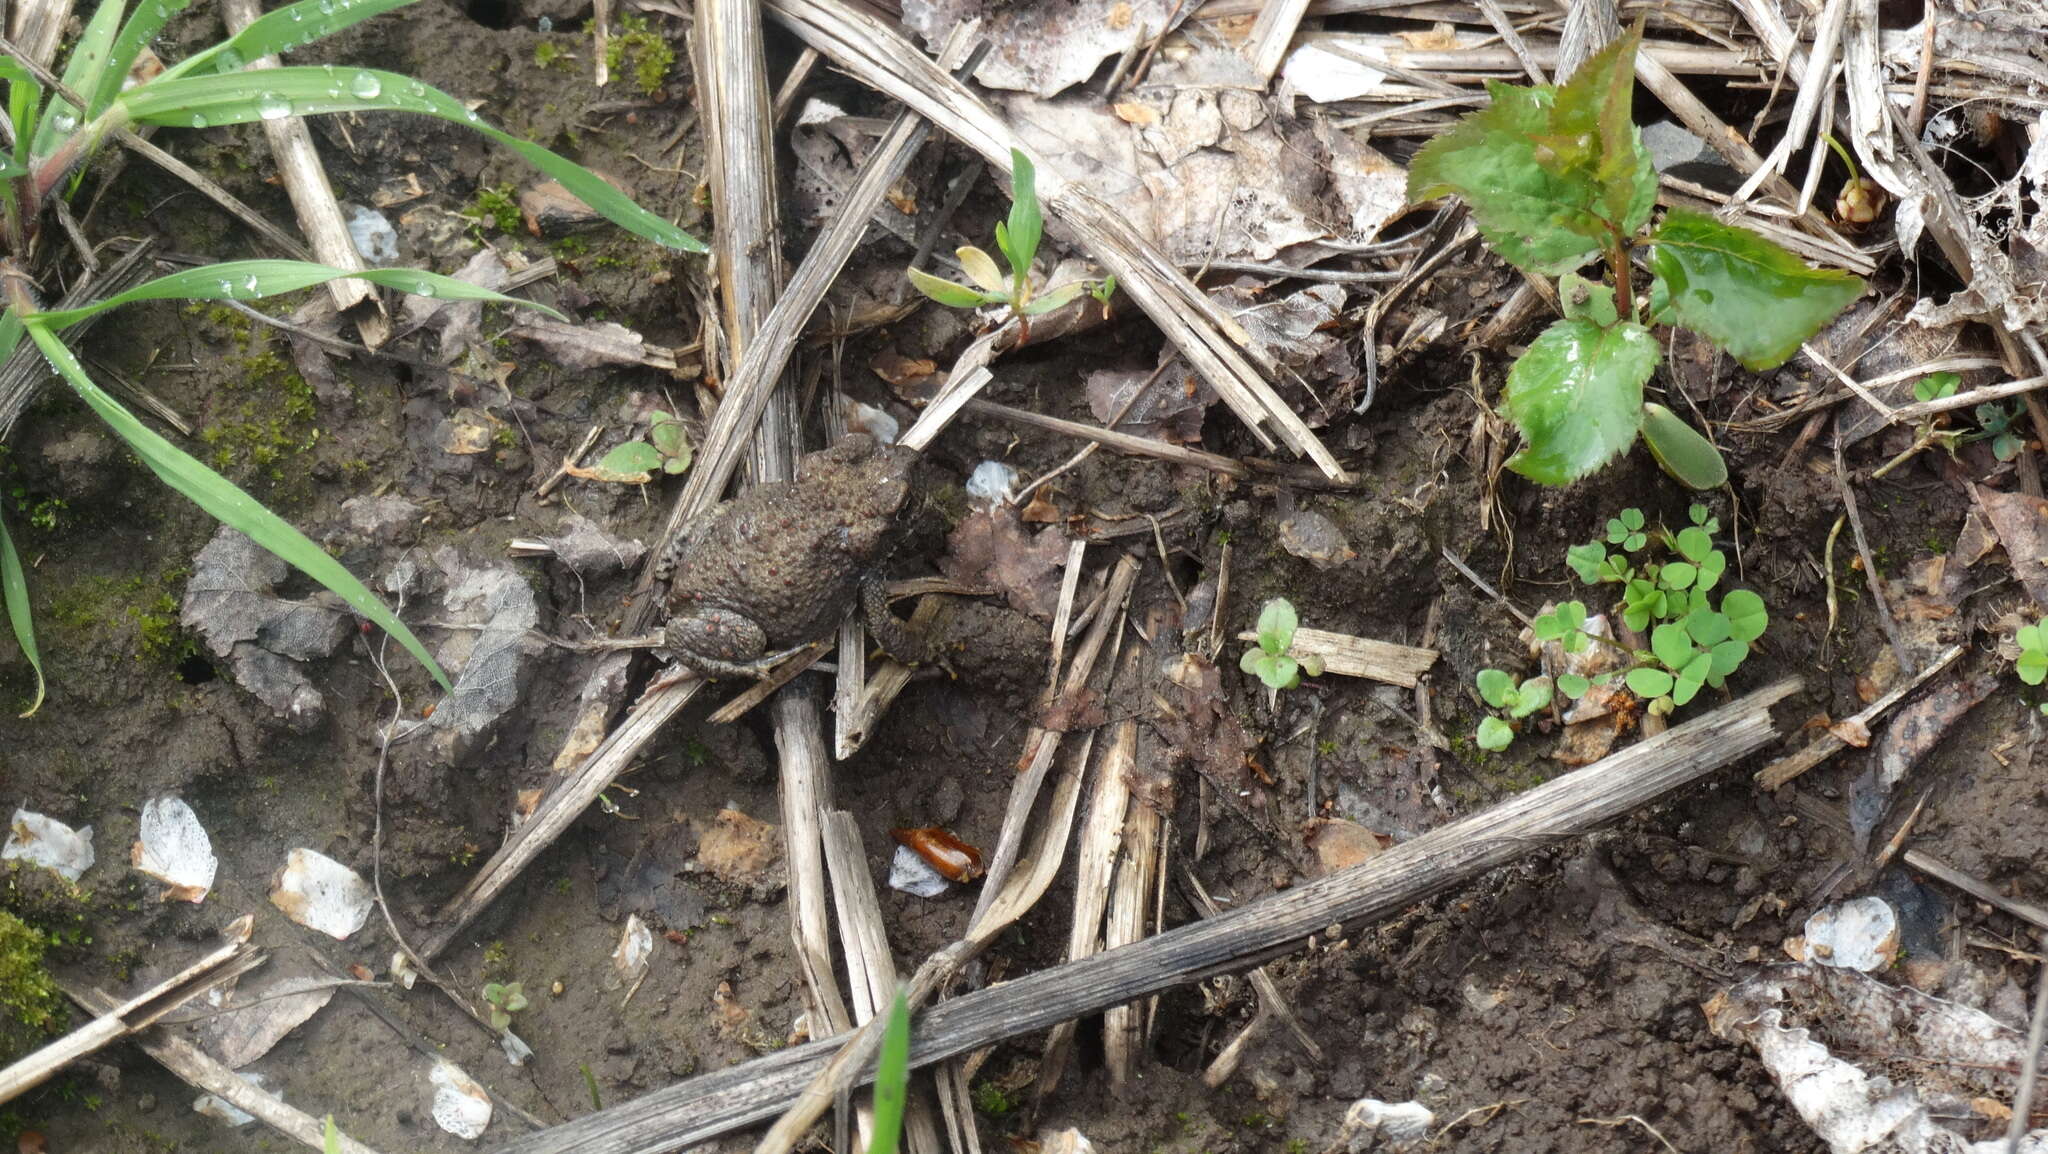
{"type": "Point", "coordinates": [2023, 1102]}
{"type": "Point", "coordinates": [1871, 577]}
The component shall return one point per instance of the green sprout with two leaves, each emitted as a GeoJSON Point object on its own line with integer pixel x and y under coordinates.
{"type": "Point", "coordinates": [1694, 642]}
{"type": "Point", "coordinates": [1269, 661]}
{"type": "Point", "coordinates": [501, 1001]}
{"type": "Point", "coordinates": [1995, 423]}
{"type": "Point", "coordinates": [666, 451]}
{"type": "Point", "coordinates": [59, 122]}
{"type": "Point", "coordinates": [1556, 176]}
{"type": "Point", "coordinates": [2032, 665]}
{"type": "Point", "coordinates": [1017, 239]}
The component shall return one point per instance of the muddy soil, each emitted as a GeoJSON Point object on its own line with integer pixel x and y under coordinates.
{"type": "Point", "coordinates": [1552, 1006]}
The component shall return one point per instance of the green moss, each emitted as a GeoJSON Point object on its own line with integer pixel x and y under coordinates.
{"type": "Point", "coordinates": [494, 207]}
{"type": "Point", "coordinates": [31, 1008]}
{"type": "Point", "coordinates": [990, 1099]}
{"type": "Point", "coordinates": [100, 604]}
{"type": "Point", "coordinates": [269, 421]}
{"type": "Point", "coordinates": [638, 49]}
{"type": "Point", "coordinates": [548, 54]}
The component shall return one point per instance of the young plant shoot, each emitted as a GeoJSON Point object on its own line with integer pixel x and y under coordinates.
{"type": "Point", "coordinates": [1269, 661]}
{"type": "Point", "coordinates": [61, 122]}
{"type": "Point", "coordinates": [1557, 177]}
{"type": "Point", "coordinates": [1017, 239]}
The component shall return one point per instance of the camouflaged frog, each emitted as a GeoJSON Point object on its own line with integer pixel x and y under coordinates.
{"type": "Point", "coordinates": [776, 568]}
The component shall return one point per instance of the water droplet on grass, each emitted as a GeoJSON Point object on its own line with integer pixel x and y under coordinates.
{"type": "Point", "coordinates": [365, 86]}
{"type": "Point", "coordinates": [273, 107]}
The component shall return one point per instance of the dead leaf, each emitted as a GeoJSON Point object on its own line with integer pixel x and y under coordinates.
{"type": "Point", "coordinates": [2021, 523]}
{"type": "Point", "coordinates": [1193, 715]}
{"type": "Point", "coordinates": [990, 548]}
{"type": "Point", "coordinates": [591, 345]}
{"type": "Point", "coordinates": [1041, 510]}
{"type": "Point", "coordinates": [741, 851]}
{"type": "Point", "coordinates": [491, 658]}
{"type": "Point", "coordinates": [1171, 406]}
{"type": "Point", "coordinates": [1081, 710]}
{"type": "Point", "coordinates": [1851, 732]}
{"type": "Point", "coordinates": [1340, 844]}
{"type": "Point", "coordinates": [1045, 48]}
{"type": "Point", "coordinates": [466, 432]}
{"type": "Point", "coordinates": [1437, 38]}
{"type": "Point", "coordinates": [1135, 112]}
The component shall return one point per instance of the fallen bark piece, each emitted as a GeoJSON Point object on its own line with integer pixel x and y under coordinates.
{"type": "Point", "coordinates": [49, 843]}
{"type": "Point", "coordinates": [322, 894]}
{"type": "Point", "coordinates": [2021, 523]}
{"type": "Point", "coordinates": [707, 1106]}
{"type": "Point", "coordinates": [1350, 656]}
{"type": "Point", "coordinates": [173, 848]}
{"type": "Point", "coordinates": [1954, 1054]}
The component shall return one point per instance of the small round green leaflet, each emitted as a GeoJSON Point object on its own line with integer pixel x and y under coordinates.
{"type": "Point", "coordinates": [1496, 688]}
{"type": "Point", "coordinates": [1572, 685]}
{"type": "Point", "coordinates": [1533, 695]}
{"type": "Point", "coordinates": [1494, 734]}
{"type": "Point", "coordinates": [632, 463]}
{"type": "Point", "coordinates": [2032, 665]}
{"type": "Point", "coordinates": [1647, 682]}
{"type": "Point", "coordinates": [1747, 618]}
{"type": "Point", "coordinates": [1681, 451]}
{"type": "Point", "coordinates": [1277, 622]}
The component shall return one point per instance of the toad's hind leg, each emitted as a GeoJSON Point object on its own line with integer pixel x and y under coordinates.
{"type": "Point", "coordinates": [719, 643]}
{"type": "Point", "coordinates": [900, 640]}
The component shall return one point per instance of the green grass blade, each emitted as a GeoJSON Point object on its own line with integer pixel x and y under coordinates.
{"type": "Point", "coordinates": [892, 1079]}
{"type": "Point", "coordinates": [143, 24]}
{"type": "Point", "coordinates": [24, 96]}
{"type": "Point", "coordinates": [293, 26]}
{"type": "Point", "coordinates": [250, 279]}
{"type": "Point", "coordinates": [220, 497]}
{"type": "Point", "coordinates": [237, 98]}
{"type": "Point", "coordinates": [81, 74]}
{"type": "Point", "coordinates": [14, 592]}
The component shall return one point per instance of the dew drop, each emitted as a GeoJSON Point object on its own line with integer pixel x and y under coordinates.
{"type": "Point", "coordinates": [365, 86]}
{"type": "Point", "coordinates": [425, 290]}
{"type": "Point", "coordinates": [227, 289]}
{"type": "Point", "coordinates": [64, 119]}
{"type": "Point", "coordinates": [271, 106]}
{"type": "Point", "coordinates": [252, 285]}
{"type": "Point", "coordinates": [296, 15]}
{"type": "Point", "coordinates": [198, 121]}
{"type": "Point", "coordinates": [545, 24]}
{"type": "Point", "coordinates": [230, 60]}
{"type": "Point", "coordinates": [163, 12]}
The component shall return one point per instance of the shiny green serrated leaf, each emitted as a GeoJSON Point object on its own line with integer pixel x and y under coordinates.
{"type": "Point", "coordinates": [1577, 397]}
{"type": "Point", "coordinates": [1594, 106]}
{"type": "Point", "coordinates": [1743, 292]}
{"type": "Point", "coordinates": [1681, 451]}
{"type": "Point", "coordinates": [1538, 220]}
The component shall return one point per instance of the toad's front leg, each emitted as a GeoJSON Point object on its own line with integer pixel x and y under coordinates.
{"type": "Point", "coordinates": [898, 639]}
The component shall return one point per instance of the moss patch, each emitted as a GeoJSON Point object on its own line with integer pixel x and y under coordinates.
{"type": "Point", "coordinates": [641, 51]}
{"type": "Point", "coordinates": [31, 1007]}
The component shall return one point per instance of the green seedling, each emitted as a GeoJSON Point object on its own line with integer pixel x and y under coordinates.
{"type": "Point", "coordinates": [666, 450]}
{"type": "Point", "coordinates": [1270, 662]}
{"type": "Point", "coordinates": [502, 1000]}
{"type": "Point", "coordinates": [1994, 424]}
{"type": "Point", "coordinates": [892, 1079]}
{"type": "Point", "coordinates": [330, 1137]}
{"type": "Point", "coordinates": [1017, 239]}
{"type": "Point", "coordinates": [1558, 176]}
{"type": "Point", "coordinates": [2032, 665]}
{"type": "Point", "coordinates": [58, 123]}
{"type": "Point", "coordinates": [1517, 701]}
{"type": "Point", "coordinates": [1695, 641]}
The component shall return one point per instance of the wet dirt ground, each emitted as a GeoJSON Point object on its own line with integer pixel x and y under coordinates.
{"type": "Point", "coordinates": [1550, 1006]}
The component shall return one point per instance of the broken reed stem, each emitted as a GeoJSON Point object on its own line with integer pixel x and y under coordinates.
{"type": "Point", "coordinates": [707, 1106]}
{"type": "Point", "coordinates": [305, 181]}
{"type": "Point", "coordinates": [25, 372]}
{"type": "Point", "coordinates": [1123, 1027]}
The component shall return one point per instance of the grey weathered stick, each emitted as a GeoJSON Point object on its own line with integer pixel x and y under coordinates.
{"type": "Point", "coordinates": [203, 1072]}
{"type": "Point", "coordinates": [1272, 32]}
{"type": "Point", "coordinates": [1827, 745]}
{"type": "Point", "coordinates": [561, 807]}
{"type": "Point", "coordinates": [305, 180]}
{"type": "Point", "coordinates": [234, 957]}
{"type": "Point", "coordinates": [717, 1103]}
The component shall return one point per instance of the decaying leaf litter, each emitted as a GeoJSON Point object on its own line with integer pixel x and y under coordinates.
{"type": "Point", "coordinates": [1264, 155]}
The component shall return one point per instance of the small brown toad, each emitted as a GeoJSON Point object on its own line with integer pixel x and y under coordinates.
{"type": "Point", "coordinates": [777, 567]}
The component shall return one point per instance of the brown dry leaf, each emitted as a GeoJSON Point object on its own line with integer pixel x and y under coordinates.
{"type": "Point", "coordinates": [1193, 715]}
{"type": "Point", "coordinates": [1437, 38]}
{"type": "Point", "coordinates": [1916, 729]}
{"type": "Point", "coordinates": [1041, 510]}
{"type": "Point", "coordinates": [1589, 741]}
{"type": "Point", "coordinates": [1135, 112]}
{"type": "Point", "coordinates": [1045, 48]}
{"type": "Point", "coordinates": [741, 850]}
{"type": "Point", "coordinates": [467, 432]}
{"type": "Point", "coordinates": [911, 378]}
{"type": "Point", "coordinates": [1082, 710]}
{"type": "Point", "coordinates": [991, 548]}
{"type": "Point", "coordinates": [1340, 844]}
{"type": "Point", "coordinates": [1316, 539]}
{"type": "Point", "coordinates": [2021, 523]}
{"type": "Point", "coordinates": [1851, 732]}
{"type": "Point", "coordinates": [902, 198]}
{"type": "Point", "coordinates": [1170, 408]}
